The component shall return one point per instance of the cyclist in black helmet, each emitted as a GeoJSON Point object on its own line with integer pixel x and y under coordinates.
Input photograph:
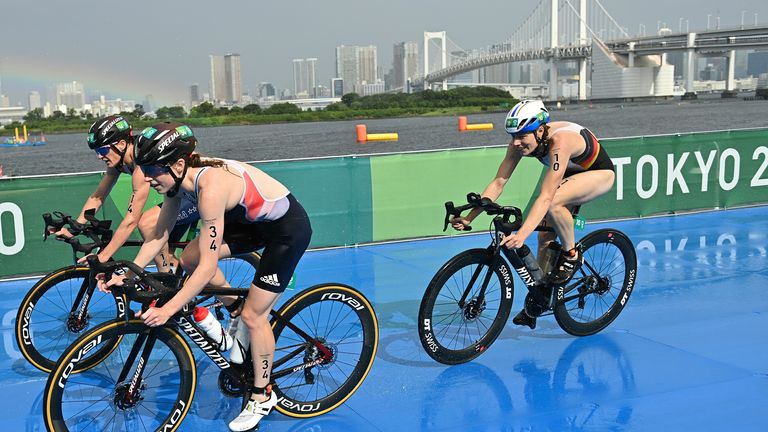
{"type": "Point", "coordinates": [110, 137]}
{"type": "Point", "coordinates": [242, 209]}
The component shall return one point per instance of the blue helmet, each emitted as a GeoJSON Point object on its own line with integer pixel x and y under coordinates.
{"type": "Point", "coordinates": [526, 117]}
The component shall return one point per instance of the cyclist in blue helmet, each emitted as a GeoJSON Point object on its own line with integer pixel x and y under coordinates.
{"type": "Point", "coordinates": [578, 170]}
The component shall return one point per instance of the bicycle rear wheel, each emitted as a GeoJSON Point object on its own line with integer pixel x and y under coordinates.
{"type": "Point", "coordinates": [45, 325]}
{"type": "Point", "coordinates": [239, 270]}
{"type": "Point", "coordinates": [343, 320]}
{"type": "Point", "coordinates": [453, 331]}
{"type": "Point", "coordinates": [97, 400]}
{"type": "Point", "coordinates": [591, 302]}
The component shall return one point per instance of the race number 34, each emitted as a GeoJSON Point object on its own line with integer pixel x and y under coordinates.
{"type": "Point", "coordinates": [17, 227]}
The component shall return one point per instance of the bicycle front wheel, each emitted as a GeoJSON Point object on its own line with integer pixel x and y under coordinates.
{"type": "Point", "coordinates": [104, 399]}
{"type": "Point", "coordinates": [593, 300]}
{"type": "Point", "coordinates": [344, 322]}
{"type": "Point", "coordinates": [47, 320]}
{"type": "Point", "coordinates": [465, 306]}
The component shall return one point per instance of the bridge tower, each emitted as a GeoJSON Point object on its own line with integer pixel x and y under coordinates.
{"type": "Point", "coordinates": [690, 66]}
{"type": "Point", "coordinates": [444, 53]}
{"type": "Point", "coordinates": [553, 94]}
{"type": "Point", "coordinates": [583, 41]}
{"type": "Point", "coordinates": [554, 29]}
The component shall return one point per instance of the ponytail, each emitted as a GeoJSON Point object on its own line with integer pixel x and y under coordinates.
{"type": "Point", "coordinates": [196, 161]}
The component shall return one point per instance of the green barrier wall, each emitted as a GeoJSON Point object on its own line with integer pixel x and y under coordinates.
{"type": "Point", "coordinates": [409, 190]}
{"type": "Point", "coordinates": [354, 200]}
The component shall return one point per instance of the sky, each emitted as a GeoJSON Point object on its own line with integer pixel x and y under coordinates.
{"type": "Point", "coordinates": [130, 49]}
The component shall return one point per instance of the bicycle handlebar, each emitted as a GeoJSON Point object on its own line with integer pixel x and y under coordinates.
{"type": "Point", "coordinates": [95, 229]}
{"type": "Point", "coordinates": [148, 288]}
{"type": "Point", "coordinates": [474, 200]}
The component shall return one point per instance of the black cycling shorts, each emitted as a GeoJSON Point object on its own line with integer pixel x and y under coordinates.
{"type": "Point", "coordinates": [284, 241]}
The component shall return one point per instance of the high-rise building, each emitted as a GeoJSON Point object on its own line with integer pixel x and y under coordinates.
{"type": "Point", "coordinates": [194, 95]}
{"type": "Point", "coordinates": [70, 94]}
{"type": "Point", "coordinates": [5, 102]}
{"type": "Point", "coordinates": [225, 86]}
{"type": "Point", "coordinates": [369, 67]}
{"type": "Point", "coordinates": [149, 104]}
{"type": "Point", "coordinates": [266, 90]}
{"type": "Point", "coordinates": [348, 67]}
{"type": "Point", "coordinates": [34, 100]}
{"type": "Point", "coordinates": [405, 63]}
{"type": "Point", "coordinates": [232, 74]}
{"type": "Point", "coordinates": [218, 84]}
{"type": "Point", "coordinates": [304, 71]}
{"type": "Point", "coordinates": [337, 87]}
{"type": "Point", "coordinates": [356, 65]}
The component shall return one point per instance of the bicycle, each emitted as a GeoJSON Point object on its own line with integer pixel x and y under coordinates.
{"type": "Point", "coordinates": [61, 305]}
{"type": "Point", "coordinates": [465, 308]}
{"type": "Point", "coordinates": [148, 382]}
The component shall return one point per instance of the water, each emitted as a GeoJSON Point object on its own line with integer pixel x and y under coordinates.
{"type": "Point", "coordinates": [69, 153]}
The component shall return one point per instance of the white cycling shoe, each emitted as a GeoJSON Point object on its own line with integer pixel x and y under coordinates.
{"type": "Point", "coordinates": [252, 414]}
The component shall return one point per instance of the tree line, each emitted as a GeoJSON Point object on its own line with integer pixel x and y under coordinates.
{"type": "Point", "coordinates": [351, 106]}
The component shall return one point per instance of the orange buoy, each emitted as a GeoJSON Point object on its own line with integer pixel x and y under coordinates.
{"type": "Point", "coordinates": [362, 133]}
{"type": "Point", "coordinates": [462, 123]}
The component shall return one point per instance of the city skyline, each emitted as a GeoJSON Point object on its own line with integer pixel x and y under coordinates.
{"type": "Point", "coordinates": [163, 61]}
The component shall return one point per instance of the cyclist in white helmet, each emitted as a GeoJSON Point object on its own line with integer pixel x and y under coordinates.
{"type": "Point", "coordinates": [578, 171]}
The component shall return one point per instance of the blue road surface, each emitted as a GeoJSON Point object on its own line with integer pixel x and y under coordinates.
{"type": "Point", "coordinates": [688, 353]}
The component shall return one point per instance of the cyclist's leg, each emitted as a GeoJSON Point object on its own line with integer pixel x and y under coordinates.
{"type": "Point", "coordinates": [545, 238]}
{"type": "Point", "coordinates": [255, 316]}
{"type": "Point", "coordinates": [575, 190]}
{"type": "Point", "coordinates": [165, 259]}
{"type": "Point", "coordinates": [190, 258]}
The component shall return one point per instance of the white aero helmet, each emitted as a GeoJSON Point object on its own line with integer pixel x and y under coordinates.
{"type": "Point", "coordinates": [526, 117]}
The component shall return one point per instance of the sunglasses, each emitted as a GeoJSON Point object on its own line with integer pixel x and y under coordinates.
{"type": "Point", "coordinates": [103, 150]}
{"type": "Point", "coordinates": [154, 170]}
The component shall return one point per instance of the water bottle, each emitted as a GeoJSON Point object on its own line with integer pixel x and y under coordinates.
{"type": "Point", "coordinates": [241, 341]}
{"type": "Point", "coordinates": [530, 263]}
{"type": "Point", "coordinates": [212, 327]}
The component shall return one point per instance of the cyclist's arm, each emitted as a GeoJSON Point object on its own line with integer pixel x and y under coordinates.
{"type": "Point", "coordinates": [158, 236]}
{"type": "Point", "coordinates": [211, 204]}
{"type": "Point", "coordinates": [101, 193]}
{"type": "Point", "coordinates": [132, 215]}
{"type": "Point", "coordinates": [496, 187]}
{"type": "Point", "coordinates": [559, 156]}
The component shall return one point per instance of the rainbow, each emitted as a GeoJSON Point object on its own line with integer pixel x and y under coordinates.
{"type": "Point", "coordinates": [37, 73]}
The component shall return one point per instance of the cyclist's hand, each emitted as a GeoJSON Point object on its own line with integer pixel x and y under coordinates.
{"type": "Point", "coordinates": [459, 223]}
{"type": "Point", "coordinates": [513, 241]}
{"type": "Point", "coordinates": [154, 317]}
{"type": "Point", "coordinates": [84, 260]}
{"type": "Point", "coordinates": [103, 284]}
{"type": "Point", "coordinates": [61, 234]}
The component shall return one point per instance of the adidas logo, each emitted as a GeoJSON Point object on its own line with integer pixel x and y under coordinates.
{"type": "Point", "coordinates": [271, 279]}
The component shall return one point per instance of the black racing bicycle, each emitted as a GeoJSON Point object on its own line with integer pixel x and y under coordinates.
{"type": "Point", "coordinates": [62, 305]}
{"type": "Point", "coordinates": [326, 340]}
{"type": "Point", "coordinates": [468, 301]}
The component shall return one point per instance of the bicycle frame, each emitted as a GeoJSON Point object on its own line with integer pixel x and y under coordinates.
{"type": "Point", "coordinates": [503, 227]}
{"type": "Point", "coordinates": [236, 372]}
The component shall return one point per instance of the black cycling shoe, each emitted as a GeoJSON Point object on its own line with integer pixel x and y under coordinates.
{"type": "Point", "coordinates": [523, 318]}
{"type": "Point", "coordinates": [567, 265]}
{"type": "Point", "coordinates": [527, 316]}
